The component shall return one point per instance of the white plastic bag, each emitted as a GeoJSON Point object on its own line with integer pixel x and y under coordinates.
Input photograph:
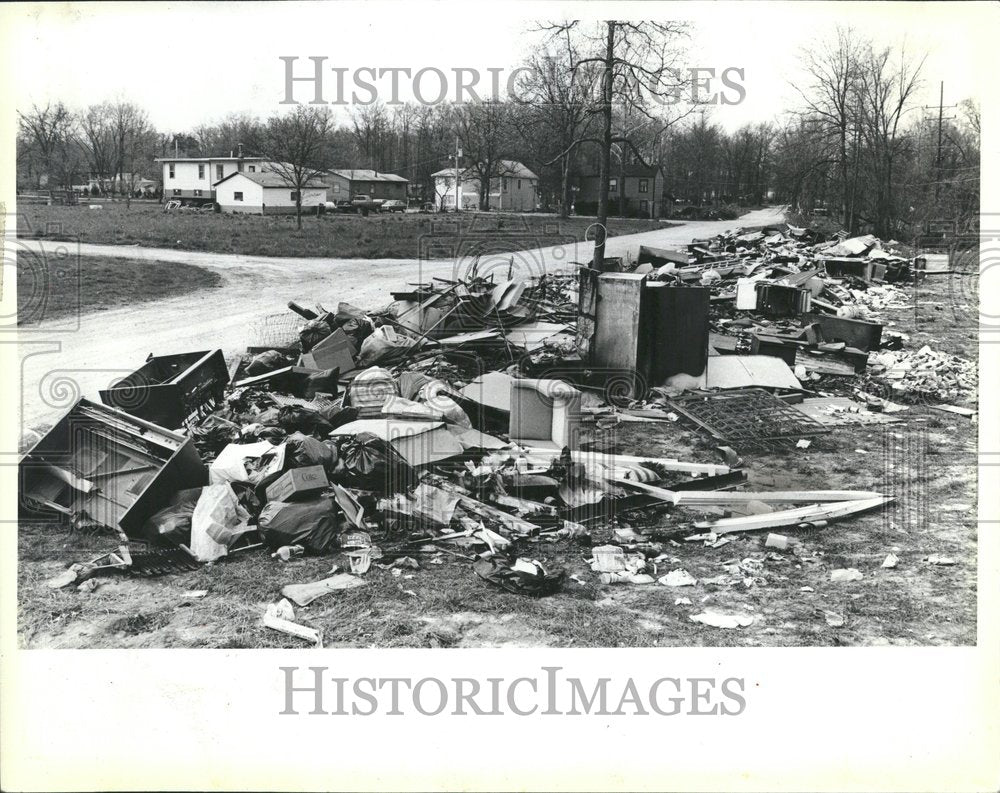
{"type": "Point", "coordinates": [217, 521]}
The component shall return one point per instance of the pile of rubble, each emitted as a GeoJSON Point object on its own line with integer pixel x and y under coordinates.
{"type": "Point", "coordinates": [464, 419]}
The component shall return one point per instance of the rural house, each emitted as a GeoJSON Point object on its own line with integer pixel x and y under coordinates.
{"type": "Point", "coordinates": [350, 183]}
{"type": "Point", "coordinates": [515, 189]}
{"type": "Point", "coordinates": [265, 193]}
{"type": "Point", "coordinates": [192, 180]}
{"type": "Point", "coordinates": [641, 187]}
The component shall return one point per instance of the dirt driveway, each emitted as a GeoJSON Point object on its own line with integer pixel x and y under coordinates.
{"type": "Point", "coordinates": [61, 363]}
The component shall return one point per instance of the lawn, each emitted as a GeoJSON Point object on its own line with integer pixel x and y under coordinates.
{"type": "Point", "coordinates": [397, 236]}
{"type": "Point", "coordinates": [53, 287]}
{"type": "Point", "coordinates": [928, 463]}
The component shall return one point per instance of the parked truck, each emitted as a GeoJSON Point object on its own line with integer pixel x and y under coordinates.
{"type": "Point", "coordinates": [360, 204]}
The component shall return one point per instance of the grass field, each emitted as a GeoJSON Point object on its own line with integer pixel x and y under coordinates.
{"type": "Point", "coordinates": [397, 236]}
{"type": "Point", "coordinates": [928, 463]}
{"type": "Point", "coordinates": [49, 289]}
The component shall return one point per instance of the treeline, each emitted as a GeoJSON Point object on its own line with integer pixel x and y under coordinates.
{"type": "Point", "coordinates": [855, 145]}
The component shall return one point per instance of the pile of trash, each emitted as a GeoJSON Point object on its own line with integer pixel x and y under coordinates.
{"type": "Point", "coordinates": [464, 420]}
{"type": "Point", "coordinates": [925, 375]}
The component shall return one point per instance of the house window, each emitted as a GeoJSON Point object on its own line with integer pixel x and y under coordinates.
{"type": "Point", "coordinates": [505, 184]}
{"type": "Point", "coordinates": [201, 172]}
{"type": "Point", "coordinates": [176, 191]}
{"type": "Point", "coordinates": [197, 193]}
{"type": "Point", "coordinates": [237, 196]}
{"type": "Point", "coordinates": [218, 172]}
{"type": "Point", "coordinates": [336, 187]}
{"type": "Point", "coordinates": [253, 168]}
{"type": "Point", "coordinates": [613, 185]}
{"type": "Point", "coordinates": [171, 167]}
{"type": "Point", "coordinates": [644, 185]}
{"type": "Point", "coordinates": [518, 184]}
{"type": "Point", "coordinates": [295, 195]}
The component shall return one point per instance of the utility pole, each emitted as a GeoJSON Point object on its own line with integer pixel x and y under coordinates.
{"type": "Point", "coordinates": [938, 161]}
{"type": "Point", "coordinates": [458, 184]}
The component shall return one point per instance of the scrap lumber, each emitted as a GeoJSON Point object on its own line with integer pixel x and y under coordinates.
{"type": "Point", "coordinates": [697, 498]}
{"type": "Point", "coordinates": [811, 514]}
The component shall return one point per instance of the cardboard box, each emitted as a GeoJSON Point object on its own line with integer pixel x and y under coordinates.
{"type": "Point", "coordinates": [298, 482]}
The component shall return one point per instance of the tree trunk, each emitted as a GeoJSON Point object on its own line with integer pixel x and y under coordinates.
{"type": "Point", "coordinates": [298, 209]}
{"type": "Point", "coordinates": [621, 183]}
{"type": "Point", "coordinates": [566, 192]}
{"type": "Point", "coordinates": [601, 232]}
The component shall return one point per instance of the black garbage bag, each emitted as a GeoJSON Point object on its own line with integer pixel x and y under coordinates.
{"type": "Point", "coordinates": [269, 418]}
{"type": "Point", "coordinates": [304, 450]}
{"type": "Point", "coordinates": [214, 434]}
{"type": "Point", "coordinates": [315, 331]}
{"type": "Point", "coordinates": [530, 578]}
{"type": "Point", "coordinates": [293, 418]}
{"type": "Point", "coordinates": [313, 524]}
{"type": "Point", "coordinates": [172, 523]}
{"type": "Point", "coordinates": [337, 416]}
{"type": "Point", "coordinates": [370, 463]}
{"type": "Point", "coordinates": [267, 361]}
{"type": "Point", "coordinates": [354, 322]}
{"type": "Point", "coordinates": [324, 382]}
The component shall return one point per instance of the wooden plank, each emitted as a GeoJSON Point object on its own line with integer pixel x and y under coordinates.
{"type": "Point", "coordinates": [789, 518]}
{"type": "Point", "coordinates": [688, 498]}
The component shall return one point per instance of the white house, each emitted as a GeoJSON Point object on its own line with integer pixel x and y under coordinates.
{"type": "Point", "coordinates": [265, 193]}
{"type": "Point", "coordinates": [514, 189]}
{"type": "Point", "coordinates": [193, 179]}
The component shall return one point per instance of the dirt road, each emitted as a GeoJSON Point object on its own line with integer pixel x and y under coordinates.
{"type": "Point", "coordinates": [59, 364]}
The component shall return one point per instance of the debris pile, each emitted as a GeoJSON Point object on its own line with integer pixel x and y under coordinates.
{"type": "Point", "coordinates": [464, 420]}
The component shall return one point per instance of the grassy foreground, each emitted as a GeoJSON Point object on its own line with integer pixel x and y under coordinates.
{"type": "Point", "coordinates": [397, 236]}
{"type": "Point", "coordinates": [51, 288]}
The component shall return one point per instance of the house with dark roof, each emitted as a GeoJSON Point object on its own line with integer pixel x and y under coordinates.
{"type": "Point", "coordinates": [349, 183]}
{"type": "Point", "coordinates": [642, 188]}
{"type": "Point", "coordinates": [513, 189]}
{"type": "Point", "coordinates": [266, 192]}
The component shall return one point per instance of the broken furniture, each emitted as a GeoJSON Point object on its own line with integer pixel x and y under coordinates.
{"type": "Point", "coordinates": [544, 413]}
{"type": "Point", "coordinates": [747, 416]}
{"type": "Point", "coordinates": [778, 300]}
{"type": "Point", "coordinates": [646, 332]}
{"type": "Point", "coordinates": [113, 468]}
{"type": "Point", "coordinates": [857, 333]}
{"type": "Point", "coordinates": [172, 390]}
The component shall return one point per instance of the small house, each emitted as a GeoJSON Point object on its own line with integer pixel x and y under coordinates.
{"type": "Point", "coordinates": [266, 193]}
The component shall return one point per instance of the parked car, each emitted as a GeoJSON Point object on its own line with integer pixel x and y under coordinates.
{"type": "Point", "coordinates": [393, 205]}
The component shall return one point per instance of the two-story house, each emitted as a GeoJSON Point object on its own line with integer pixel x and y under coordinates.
{"type": "Point", "coordinates": [514, 189]}
{"type": "Point", "coordinates": [192, 180]}
{"type": "Point", "coordinates": [641, 188]}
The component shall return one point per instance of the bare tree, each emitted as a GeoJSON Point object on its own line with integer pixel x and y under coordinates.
{"type": "Point", "coordinates": [556, 104]}
{"type": "Point", "coordinates": [637, 62]}
{"type": "Point", "coordinates": [888, 83]}
{"type": "Point", "coordinates": [298, 144]}
{"type": "Point", "coordinates": [484, 129]}
{"type": "Point", "coordinates": [50, 129]}
{"type": "Point", "coordinates": [831, 100]}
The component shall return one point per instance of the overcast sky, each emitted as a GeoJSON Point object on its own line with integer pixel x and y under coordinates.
{"type": "Point", "coordinates": [191, 63]}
